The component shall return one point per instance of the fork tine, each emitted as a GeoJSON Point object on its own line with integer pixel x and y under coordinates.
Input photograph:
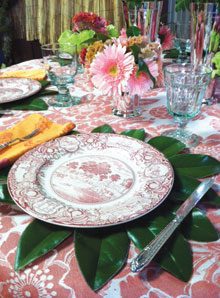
{"type": "Point", "coordinates": [30, 135]}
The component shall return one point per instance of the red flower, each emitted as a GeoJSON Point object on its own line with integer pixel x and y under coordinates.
{"type": "Point", "coordinates": [89, 21]}
{"type": "Point", "coordinates": [82, 55]}
{"type": "Point", "coordinates": [166, 37]}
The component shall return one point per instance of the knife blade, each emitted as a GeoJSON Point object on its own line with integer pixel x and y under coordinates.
{"type": "Point", "coordinates": [149, 252]}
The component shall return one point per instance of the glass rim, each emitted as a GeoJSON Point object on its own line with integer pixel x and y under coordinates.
{"type": "Point", "coordinates": [183, 67]}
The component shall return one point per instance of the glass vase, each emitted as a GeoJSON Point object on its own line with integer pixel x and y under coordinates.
{"type": "Point", "coordinates": [145, 15]}
{"type": "Point", "coordinates": [202, 20]}
{"type": "Point", "coordinates": [126, 105]}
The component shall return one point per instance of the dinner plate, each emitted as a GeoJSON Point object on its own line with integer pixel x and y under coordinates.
{"type": "Point", "coordinates": [90, 180]}
{"type": "Point", "coordinates": [12, 89]}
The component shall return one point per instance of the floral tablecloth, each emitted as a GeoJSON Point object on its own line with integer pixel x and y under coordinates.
{"type": "Point", "coordinates": [57, 274]}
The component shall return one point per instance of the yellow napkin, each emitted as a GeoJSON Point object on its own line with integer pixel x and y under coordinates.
{"type": "Point", "coordinates": [48, 130]}
{"type": "Point", "coordinates": [34, 74]}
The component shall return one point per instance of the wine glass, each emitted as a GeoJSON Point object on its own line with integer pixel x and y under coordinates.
{"type": "Point", "coordinates": [61, 64]}
{"type": "Point", "coordinates": [185, 87]}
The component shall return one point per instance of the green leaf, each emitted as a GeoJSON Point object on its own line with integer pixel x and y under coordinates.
{"type": "Point", "coordinates": [170, 257]}
{"type": "Point", "coordinates": [135, 133]}
{"type": "Point", "coordinates": [38, 239]}
{"type": "Point", "coordinates": [142, 67]}
{"type": "Point", "coordinates": [197, 227]}
{"type": "Point", "coordinates": [133, 31]}
{"type": "Point", "coordinates": [195, 165]}
{"type": "Point", "coordinates": [35, 104]}
{"type": "Point", "coordinates": [4, 195]}
{"type": "Point", "coordinates": [4, 173]}
{"type": "Point", "coordinates": [104, 129]}
{"type": "Point", "coordinates": [135, 51]}
{"type": "Point", "coordinates": [182, 4]}
{"type": "Point", "coordinates": [168, 146]}
{"type": "Point", "coordinates": [184, 186]}
{"type": "Point", "coordinates": [100, 254]}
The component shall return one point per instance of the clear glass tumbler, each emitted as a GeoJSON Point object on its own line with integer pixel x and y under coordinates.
{"type": "Point", "coordinates": [185, 87]}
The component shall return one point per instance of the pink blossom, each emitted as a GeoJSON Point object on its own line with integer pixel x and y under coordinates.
{"type": "Point", "coordinates": [166, 37]}
{"type": "Point", "coordinates": [111, 69]}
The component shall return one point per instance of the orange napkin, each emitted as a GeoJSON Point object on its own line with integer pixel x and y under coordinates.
{"type": "Point", "coordinates": [48, 130]}
{"type": "Point", "coordinates": [34, 74]}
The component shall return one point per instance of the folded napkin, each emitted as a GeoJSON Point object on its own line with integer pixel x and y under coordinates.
{"type": "Point", "coordinates": [34, 74]}
{"type": "Point", "coordinates": [48, 130]}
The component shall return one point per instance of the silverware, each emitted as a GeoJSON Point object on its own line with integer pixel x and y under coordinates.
{"type": "Point", "coordinates": [148, 253]}
{"type": "Point", "coordinates": [6, 112]}
{"type": "Point", "coordinates": [29, 136]}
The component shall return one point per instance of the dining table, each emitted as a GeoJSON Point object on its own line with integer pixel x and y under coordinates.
{"type": "Point", "coordinates": [57, 274]}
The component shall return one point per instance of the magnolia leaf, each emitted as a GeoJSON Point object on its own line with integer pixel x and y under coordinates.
{"type": "Point", "coordinates": [195, 165]}
{"type": "Point", "coordinates": [104, 129]}
{"type": "Point", "coordinates": [168, 146]}
{"type": "Point", "coordinates": [38, 239]}
{"type": "Point", "coordinates": [184, 186]}
{"type": "Point", "coordinates": [135, 133]}
{"type": "Point", "coordinates": [170, 257]}
{"type": "Point", "coordinates": [198, 227]}
{"type": "Point", "coordinates": [4, 173]}
{"type": "Point", "coordinates": [4, 195]}
{"type": "Point", "coordinates": [36, 104]}
{"type": "Point", "coordinates": [100, 254]}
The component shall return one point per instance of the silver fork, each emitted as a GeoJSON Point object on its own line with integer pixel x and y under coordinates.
{"type": "Point", "coordinates": [29, 136]}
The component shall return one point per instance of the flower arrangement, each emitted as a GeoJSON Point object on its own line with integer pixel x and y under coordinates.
{"type": "Point", "coordinates": [123, 64]}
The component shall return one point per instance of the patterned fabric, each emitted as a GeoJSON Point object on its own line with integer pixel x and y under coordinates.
{"type": "Point", "coordinates": [57, 274]}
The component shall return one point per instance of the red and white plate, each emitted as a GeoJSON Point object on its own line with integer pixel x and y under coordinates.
{"type": "Point", "coordinates": [90, 180]}
{"type": "Point", "coordinates": [12, 89]}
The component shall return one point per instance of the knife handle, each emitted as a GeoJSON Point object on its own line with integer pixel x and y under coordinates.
{"type": "Point", "coordinates": [148, 253]}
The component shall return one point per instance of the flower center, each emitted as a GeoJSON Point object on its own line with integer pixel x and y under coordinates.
{"type": "Point", "coordinates": [113, 70]}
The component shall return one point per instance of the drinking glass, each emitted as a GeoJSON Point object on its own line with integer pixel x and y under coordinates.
{"type": "Point", "coordinates": [185, 87]}
{"type": "Point", "coordinates": [61, 64]}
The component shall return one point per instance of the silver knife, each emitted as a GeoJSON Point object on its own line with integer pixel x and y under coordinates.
{"type": "Point", "coordinates": [149, 252]}
{"type": "Point", "coordinates": [6, 112]}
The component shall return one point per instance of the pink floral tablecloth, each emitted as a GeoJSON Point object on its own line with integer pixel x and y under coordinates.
{"type": "Point", "coordinates": [57, 274]}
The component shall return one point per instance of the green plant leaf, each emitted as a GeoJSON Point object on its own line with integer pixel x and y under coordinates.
{"type": "Point", "coordinates": [170, 257]}
{"type": "Point", "coordinates": [142, 67]}
{"type": "Point", "coordinates": [4, 195]}
{"type": "Point", "coordinates": [198, 227]}
{"type": "Point", "coordinates": [182, 4]}
{"type": "Point", "coordinates": [168, 146]}
{"type": "Point", "coordinates": [4, 173]}
{"type": "Point", "coordinates": [133, 31]}
{"type": "Point", "coordinates": [195, 165]}
{"type": "Point", "coordinates": [38, 239]}
{"type": "Point", "coordinates": [35, 104]}
{"type": "Point", "coordinates": [103, 129]}
{"type": "Point", "coordinates": [135, 133]}
{"type": "Point", "coordinates": [184, 186]}
{"type": "Point", "coordinates": [100, 254]}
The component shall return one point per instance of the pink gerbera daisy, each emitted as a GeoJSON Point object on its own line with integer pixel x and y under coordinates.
{"type": "Point", "coordinates": [141, 82]}
{"type": "Point", "coordinates": [111, 69]}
